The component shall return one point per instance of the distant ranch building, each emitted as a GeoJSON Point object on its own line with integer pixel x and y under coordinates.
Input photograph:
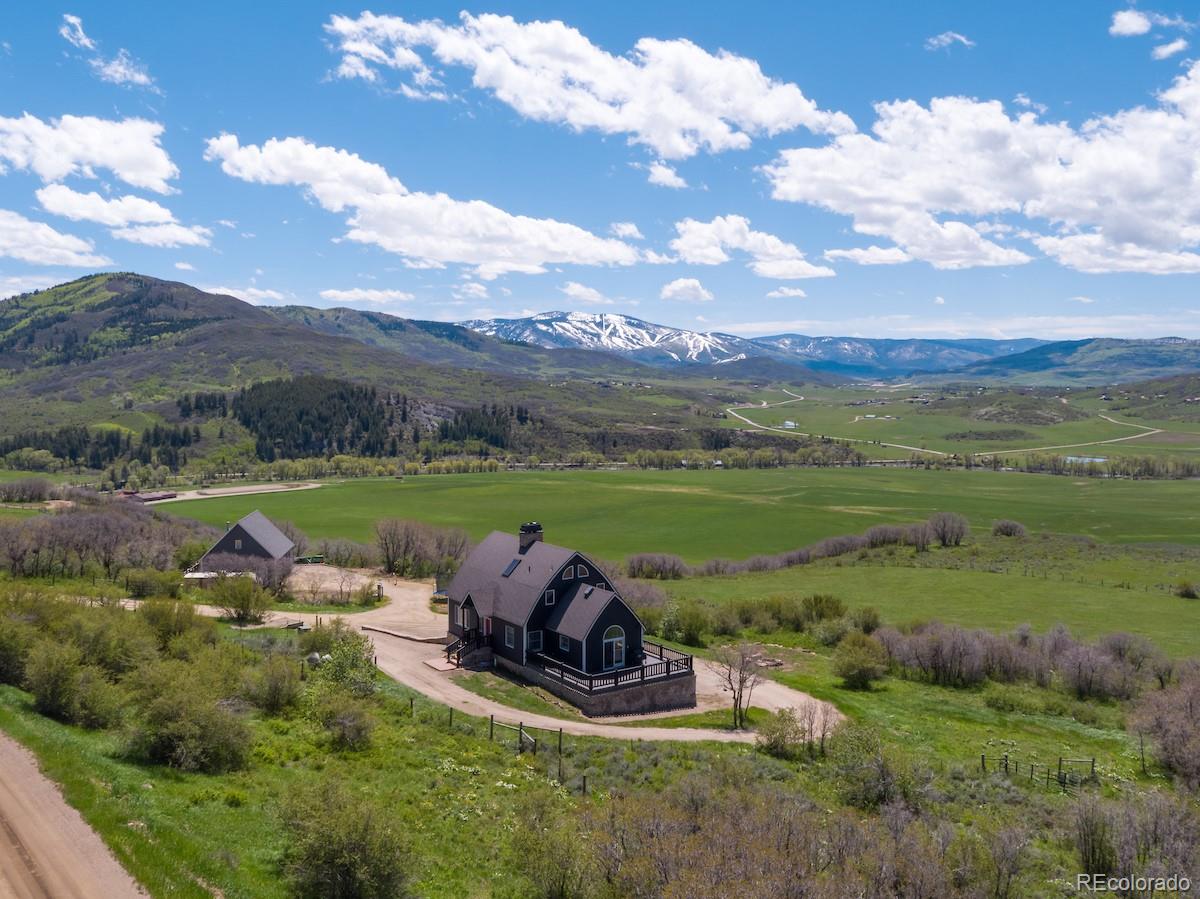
{"type": "Point", "coordinates": [254, 538]}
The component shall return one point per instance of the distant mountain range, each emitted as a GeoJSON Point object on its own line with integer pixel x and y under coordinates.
{"type": "Point", "coordinates": [662, 345]}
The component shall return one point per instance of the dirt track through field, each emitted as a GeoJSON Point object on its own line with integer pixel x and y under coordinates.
{"type": "Point", "coordinates": [47, 851]}
{"type": "Point", "coordinates": [245, 490]}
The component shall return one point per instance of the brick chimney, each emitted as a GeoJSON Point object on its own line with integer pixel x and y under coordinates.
{"type": "Point", "coordinates": [530, 533]}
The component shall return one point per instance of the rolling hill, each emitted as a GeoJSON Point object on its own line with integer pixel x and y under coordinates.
{"type": "Point", "coordinates": [1090, 362]}
{"type": "Point", "coordinates": [121, 348]}
{"type": "Point", "coordinates": [665, 346]}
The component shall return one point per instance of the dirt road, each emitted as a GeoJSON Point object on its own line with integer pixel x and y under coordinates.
{"type": "Point", "coordinates": [47, 851]}
{"type": "Point", "coordinates": [408, 612]}
{"type": "Point", "coordinates": [245, 490]}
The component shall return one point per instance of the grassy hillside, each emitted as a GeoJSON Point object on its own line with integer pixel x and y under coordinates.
{"type": "Point", "coordinates": [1087, 362]}
{"type": "Point", "coordinates": [109, 348]}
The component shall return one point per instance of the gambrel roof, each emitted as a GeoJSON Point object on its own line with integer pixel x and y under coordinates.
{"type": "Point", "coordinates": [510, 596]}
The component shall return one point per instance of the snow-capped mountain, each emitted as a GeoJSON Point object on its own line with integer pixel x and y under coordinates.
{"type": "Point", "coordinates": [623, 334]}
{"type": "Point", "coordinates": [663, 345]}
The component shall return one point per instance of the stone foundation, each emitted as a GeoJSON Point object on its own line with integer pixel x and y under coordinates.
{"type": "Point", "coordinates": [663, 695]}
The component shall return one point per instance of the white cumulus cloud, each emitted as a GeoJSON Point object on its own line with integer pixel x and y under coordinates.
{"type": "Point", "coordinates": [121, 69]}
{"type": "Point", "coordinates": [671, 96]}
{"type": "Point", "coordinates": [581, 293]}
{"type": "Point", "coordinates": [79, 145]}
{"type": "Point", "coordinates": [428, 230]}
{"type": "Point", "coordinates": [688, 290]}
{"type": "Point", "coordinates": [91, 207]}
{"type": "Point", "coordinates": [787, 292]}
{"type": "Point", "coordinates": [366, 295]}
{"type": "Point", "coordinates": [40, 244]}
{"type": "Point", "coordinates": [706, 243]}
{"type": "Point", "coordinates": [185, 266]}
{"type": "Point", "coordinates": [871, 255]}
{"type": "Point", "coordinates": [171, 234]}
{"type": "Point", "coordinates": [625, 231]}
{"type": "Point", "coordinates": [259, 296]}
{"type": "Point", "coordinates": [663, 175]}
{"type": "Point", "coordinates": [1169, 49]}
{"type": "Point", "coordinates": [1115, 194]}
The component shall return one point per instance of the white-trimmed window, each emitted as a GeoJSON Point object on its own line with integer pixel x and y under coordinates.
{"type": "Point", "coordinates": [600, 586]}
{"type": "Point", "coordinates": [569, 573]}
{"type": "Point", "coordinates": [534, 641]}
{"type": "Point", "coordinates": [549, 597]}
{"type": "Point", "coordinates": [564, 643]}
{"type": "Point", "coordinates": [581, 571]}
{"type": "Point", "coordinates": [510, 636]}
{"type": "Point", "coordinates": [237, 544]}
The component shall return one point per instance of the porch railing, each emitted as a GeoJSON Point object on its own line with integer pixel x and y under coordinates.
{"type": "Point", "coordinates": [659, 663]}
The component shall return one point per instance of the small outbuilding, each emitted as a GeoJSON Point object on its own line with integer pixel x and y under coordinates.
{"type": "Point", "coordinates": [255, 536]}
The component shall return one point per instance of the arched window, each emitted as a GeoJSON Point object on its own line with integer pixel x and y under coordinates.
{"type": "Point", "coordinates": [614, 647]}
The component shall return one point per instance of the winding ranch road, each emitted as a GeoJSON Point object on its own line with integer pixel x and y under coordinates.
{"type": "Point", "coordinates": [1143, 431]}
{"type": "Point", "coordinates": [401, 631]}
{"type": "Point", "coordinates": [732, 411]}
{"type": "Point", "coordinates": [47, 851]}
{"type": "Point", "coordinates": [245, 490]}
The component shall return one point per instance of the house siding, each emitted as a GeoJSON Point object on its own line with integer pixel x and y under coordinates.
{"type": "Point", "coordinates": [616, 612]}
{"type": "Point", "coordinates": [250, 546]}
{"type": "Point", "coordinates": [561, 585]}
{"type": "Point", "coordinates": [514, 654]}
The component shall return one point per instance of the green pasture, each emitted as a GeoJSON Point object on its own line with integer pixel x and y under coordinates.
{"type": "Point", "coordinates": [901, 422]}
{"type": "Point", "coordinates": [732, 514]}
{"type": "Point", "coordinates": [985, 599]}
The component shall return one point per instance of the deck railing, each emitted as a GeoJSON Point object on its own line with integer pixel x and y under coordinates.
{"type": "Point", "coordinates": [659, 663]}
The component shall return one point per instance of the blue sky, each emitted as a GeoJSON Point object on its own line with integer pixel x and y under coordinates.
{"type": "Point", "coordinates": [934, 169]}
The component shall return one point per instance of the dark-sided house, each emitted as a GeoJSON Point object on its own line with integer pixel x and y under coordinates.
{"type": "Point", "coordinates": [253, 537]}
{"type": "Point", "coordinates": [550, 615]}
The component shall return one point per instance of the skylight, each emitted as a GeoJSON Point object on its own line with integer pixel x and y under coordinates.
{"type": "Point", "coordinates": [512, 566]}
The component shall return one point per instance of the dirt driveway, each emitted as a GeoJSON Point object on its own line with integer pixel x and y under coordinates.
{"type": "Point", "coordinates": [47, 851]}
{"type": "Point", "coordinates": [244, 490]}
{"type": "Point", "coordinates": [399, 628]}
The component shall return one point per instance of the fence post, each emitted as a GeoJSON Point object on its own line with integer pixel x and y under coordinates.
{"type": "Point", "coordinates": [520, 730]}
{"type": "Point", "coordinates": [1060, 776]}
{"type": "Point", "coordinates": [451, 725]}
{"type": "Point", "coordinates": [1006, 763]}
{"type": "Point", "coordinates": [983, 762]}
{"type": "Point", "coordinates": [584, 791]}
{"type": "Point", "coordinates": [491, 727]}
{"type": "Point", "coordinates": [560, 747]}
{"type": "Point", "coordinates": [411, 712]}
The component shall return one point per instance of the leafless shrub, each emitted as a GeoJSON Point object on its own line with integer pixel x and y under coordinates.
{"type": "Point", "coordinates": [416, 549]}
{"type": "Point", "coordinates": [658, 566]}
{"type": "Point", "coordinates": [949, 528]}
{"type": "Point", "coordinates": [1006, 527]}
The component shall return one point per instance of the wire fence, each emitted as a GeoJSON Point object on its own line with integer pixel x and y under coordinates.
{"type": "Point", "coordinates": [1068, 775]}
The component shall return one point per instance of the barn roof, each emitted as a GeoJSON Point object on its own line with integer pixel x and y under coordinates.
{"type": "Point", "coordinates": [263, 531]}
{"type": "Point", "coordinates": [575, 614]}
{"type": "Point", "coordinates": [513, 595]}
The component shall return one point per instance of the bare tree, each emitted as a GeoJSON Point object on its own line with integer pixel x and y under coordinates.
{"type": "Point", "coordinates": [740, 669]}
{"type": "Point", "coordinates": [949, 528]}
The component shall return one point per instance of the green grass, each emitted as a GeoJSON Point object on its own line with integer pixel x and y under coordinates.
{"type": "Point", "coordinates": [173, 830]}
{"type": "Point", "coordinates": [733, 514]}
{"type": "Point", "coordinates": [947, 728]}
{"type": "Point", "coordinates": [894, 420]}
{"type": "Point", "coordinates": [995, 601]}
